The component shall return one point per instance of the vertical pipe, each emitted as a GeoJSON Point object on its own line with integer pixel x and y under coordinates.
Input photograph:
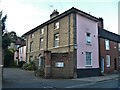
{"type": "Point", "coordinates": [47, 39]}
{"type": "Point", "coordinates": [75, 44]}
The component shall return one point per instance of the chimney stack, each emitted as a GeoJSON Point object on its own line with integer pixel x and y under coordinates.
{"type": "Point", "coordinates": [101, 23]}
{"type": "Point", "coordinates": [54, 14]}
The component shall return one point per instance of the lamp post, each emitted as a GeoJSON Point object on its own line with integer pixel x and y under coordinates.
{"type": "Point", "coordinates": [1, 66]}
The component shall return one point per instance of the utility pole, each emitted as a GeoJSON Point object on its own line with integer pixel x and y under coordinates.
{"type": "Point", "coordinates": [1, 65]}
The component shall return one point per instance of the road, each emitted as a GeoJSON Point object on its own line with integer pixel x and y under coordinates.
{"type": "Point", "coordinates": [18, 78]}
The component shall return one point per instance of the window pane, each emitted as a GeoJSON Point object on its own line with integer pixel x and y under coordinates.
{"type": "Point", "coordinates": [88, 38]}
{"type": "Point", "coordinates": [107, 44]}
{"type": "Point", "coordinates": [88, 58]}
{"type": "Point", "coordinates": [108, 60]}
{"type": "Point", "coordinates": [56, 40]}
{"type": "Point", "coordinates": [41, 43]}
{"type": "Point", "coordinates": [31, 46]}
{"type": "Point", "coordinates": [42, 31]}
{"type": "Point", "coordinates": [57, 25]}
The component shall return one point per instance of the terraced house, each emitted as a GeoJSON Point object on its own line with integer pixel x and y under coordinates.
{"type": "Point", "coordinates": [66, 45]}
{"type": "Point", "coordinates": [109, 48]}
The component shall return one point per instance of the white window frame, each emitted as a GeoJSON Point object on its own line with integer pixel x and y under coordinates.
{"type": "Point", "coordinates": [59, 64]}
{"type": "Point", "coordinates": [42, 31]}
{"type": "Point", "coordinates": [56, 40]}
{"type": "Point", "coordinates": [88, 38]}
{"type": "Point", "coordinates": [107, 60]}
{"type": "Point", "coordinates": [56, 25]}
{"type": "Point", "coordinates": [90, 59]}
{"type": "Point", "coordinates": [41, 43]}
{"type": "Point", "coordinates": [107, 44]}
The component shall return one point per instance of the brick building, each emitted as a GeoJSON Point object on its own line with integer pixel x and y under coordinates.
{"type": "Point", "coordinates": [109, 51]}
{"type": "Point", "coordinates": [66, 45]}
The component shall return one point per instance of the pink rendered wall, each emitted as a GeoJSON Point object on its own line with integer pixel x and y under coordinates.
{"type": "Point", "coordinates": [23, 54]}
{"type": "Point", "coordinates": [85, 25]}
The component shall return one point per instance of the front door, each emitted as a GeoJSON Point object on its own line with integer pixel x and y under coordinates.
{"type": "Point", "coordinates": [102, 65]}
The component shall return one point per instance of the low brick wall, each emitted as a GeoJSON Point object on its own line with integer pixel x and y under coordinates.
{"type": "Point", "coordinates": [62, 58]}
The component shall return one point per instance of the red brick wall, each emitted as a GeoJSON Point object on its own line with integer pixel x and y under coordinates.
{"type": "Point", "coordinates": [67, 70]}
{"type": "Point", "coordinates": [113, 52]}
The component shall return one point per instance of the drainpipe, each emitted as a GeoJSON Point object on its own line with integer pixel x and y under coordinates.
{"type": "Point", "coordinates": [99, 57]}
{"type": "Point", "coordinates": [47, 39]}
{"type": "Point", "coordinates": [75, 45]}
{"type": "Point", "coordinates": [69, 43]}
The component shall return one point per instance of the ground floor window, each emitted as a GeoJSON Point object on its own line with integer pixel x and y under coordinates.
{"type": "Point", "coordinates": [88, 58]}
{"type": "Point", "coordinates": [41, 62]}
{"type": "Point", "coordinates": [108, 60]}
{"type": "Point", "coordinates": [59, 64]}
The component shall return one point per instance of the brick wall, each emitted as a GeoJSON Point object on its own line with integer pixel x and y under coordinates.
{"type": "Point", "coordinates": [113, 52]}
{"type": "Point", "coordinates": [67, 70]}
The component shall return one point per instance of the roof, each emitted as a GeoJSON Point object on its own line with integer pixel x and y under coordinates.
{"type": "Point", "coordinates": [72, 10]}
{"type": "Point", "coordinates": [109, 35]}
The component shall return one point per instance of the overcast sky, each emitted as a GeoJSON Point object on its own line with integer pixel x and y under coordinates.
{"type": "Point", "coordinates": [24, 15]}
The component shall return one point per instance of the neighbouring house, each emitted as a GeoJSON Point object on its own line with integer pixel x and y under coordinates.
{"type": "Point", "coordinates": [20, 51]}
{"type": "Point", "coordinates": [109, 49]}
{"type": "Point", "coordinates": [66, 45]}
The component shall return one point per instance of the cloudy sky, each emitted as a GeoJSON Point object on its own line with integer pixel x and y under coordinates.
{"type": "Point", "coordinates": [24, 15]}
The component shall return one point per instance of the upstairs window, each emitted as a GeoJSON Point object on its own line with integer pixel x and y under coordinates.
{"type": "Point", "coordinates": [56, 40]}
{"type": "Point", "coordinates": [107, 44]}
{"type": "Point", "coordinates": [41, 44]}
{"type": "Point", "coordinates": [42, 31]}
{"type": "Point", "coordinates": [56, 25]}
{"type": "Point", "coordinates": [31, 46]}
{"type": "Point", "coordinates": [88, 38]}
{"type": "Point", "coordinates": [32, 36]}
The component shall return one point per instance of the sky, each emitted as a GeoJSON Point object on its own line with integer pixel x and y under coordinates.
{"type": "Point", "coordinates": [24, 15]}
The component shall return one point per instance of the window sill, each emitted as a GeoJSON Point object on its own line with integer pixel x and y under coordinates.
{"type": "Point", "coordinates": [89, 44]}
{"type": "Point", "coordinates": [56, 28]}
{"type": "Point", "coordinates": [56, 47]}
{"type": "Point", "coordinates": [88, 65]}
{"type": "Point", "coordinates": [41, 49]}
{"type": "Point", "coordinates": [108, 66]}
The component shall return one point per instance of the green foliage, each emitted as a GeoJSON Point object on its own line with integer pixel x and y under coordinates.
{"type": "Point", "coordinates": [14, 64]}
{"type": "Point", "coordinates": [8, 58]}
{"type": "Point", "coordinates": [5, 41]}
{"type": "Point", "coordinates": [30, 66]}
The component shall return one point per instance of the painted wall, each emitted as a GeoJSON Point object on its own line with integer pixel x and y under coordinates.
{"type": "Point", "coordinates": [85, 25]}
{"type": "Point", "coordinates": [22, 53]}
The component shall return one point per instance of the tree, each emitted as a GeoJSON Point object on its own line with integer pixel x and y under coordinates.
{"type": "Point", "coordinates": [3, 24]}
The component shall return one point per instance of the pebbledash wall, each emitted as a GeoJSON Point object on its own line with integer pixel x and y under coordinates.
{"type": "Point", "coordinates": [85, 25]}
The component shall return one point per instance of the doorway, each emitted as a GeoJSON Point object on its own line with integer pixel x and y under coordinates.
{"type": "Point", "coordinates": [102, 65]}
{"type": "Point", "coordinates": [115, 64]}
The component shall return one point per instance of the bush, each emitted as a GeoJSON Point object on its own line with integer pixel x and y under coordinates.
{"type": "Point", "coordinates": [25, 65]}
{"type": "Point", "coordinates": [14, 64]}
{"type": "Point", "coordinates": [30, 66]}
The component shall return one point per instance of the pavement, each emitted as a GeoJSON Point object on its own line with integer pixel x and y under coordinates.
{"type": "Point", "coordinates": [19, 78]}
{"type": "Point", "coordinates": [99, 78]}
